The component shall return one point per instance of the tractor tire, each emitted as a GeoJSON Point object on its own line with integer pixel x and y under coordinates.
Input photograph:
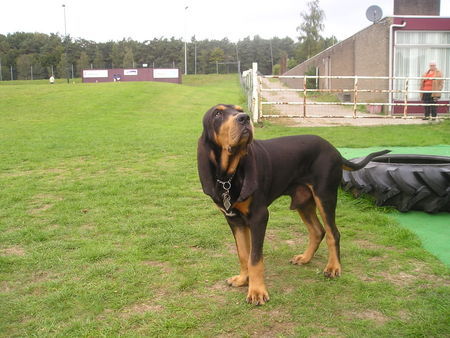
{"type": "Point", "coordinates": [406, 182]}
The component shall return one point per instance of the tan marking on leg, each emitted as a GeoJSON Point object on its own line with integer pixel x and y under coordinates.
{"type": "Point", "coordinates": [315, 230]}
{"type": "Point", "coordinates": [257, 291]}
{"type": "Point", "coordinates": [242, 238]}
{"type": "Point", "coordinates": [333, 268]}
{"type": "Point", "coordinates": [243, 206]}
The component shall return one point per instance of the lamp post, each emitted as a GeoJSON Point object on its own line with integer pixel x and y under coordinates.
{"type": "Point", "coordinates": [185, 38]}
{"type": "Point", "coordinates": [65, 49]}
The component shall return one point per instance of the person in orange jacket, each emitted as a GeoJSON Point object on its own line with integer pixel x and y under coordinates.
{"type": "Point", "coordinates": [432, 90]}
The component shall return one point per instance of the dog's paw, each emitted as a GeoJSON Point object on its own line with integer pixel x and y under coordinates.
{"type": "Point", "coordinates": [238, 281]}
{"type": "Point", "coordinates": [257, 296]}
{"type": "Point", "coordinates": [332, 271]}
{"type": "Point", "coordinates": [300, 260]}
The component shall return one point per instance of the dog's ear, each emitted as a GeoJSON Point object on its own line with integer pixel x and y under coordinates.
{"type": "Point", "coordinates": [205, 166]}
{"type": "Point", "coordinates": [251, 176]}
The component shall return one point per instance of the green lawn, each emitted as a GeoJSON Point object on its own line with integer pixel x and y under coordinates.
{"type": "Point", "coordinates": [105, 231]}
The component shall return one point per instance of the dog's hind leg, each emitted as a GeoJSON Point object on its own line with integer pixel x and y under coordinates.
{"type": "Point", "coordinates": [327, 209]}
{"type": "Point", "coordinates": [316, 232]}
{"type": "Point", "coordinates": [302, 200]}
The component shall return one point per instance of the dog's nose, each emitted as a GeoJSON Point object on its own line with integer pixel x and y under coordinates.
{"type": "Point", "coordinates": [243, 118]}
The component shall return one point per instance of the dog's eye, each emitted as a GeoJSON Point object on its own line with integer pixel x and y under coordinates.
{"type": "Point", "coordinates": [218, 113]}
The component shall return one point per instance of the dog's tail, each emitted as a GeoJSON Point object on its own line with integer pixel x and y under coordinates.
{"type": "Point", "coordinates": [350, 166]}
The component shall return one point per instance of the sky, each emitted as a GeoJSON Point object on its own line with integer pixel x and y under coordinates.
{"type": "Point", "coordinates": [105, 20]}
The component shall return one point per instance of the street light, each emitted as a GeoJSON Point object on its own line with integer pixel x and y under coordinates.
{"type": "Point", "coordinates": [185, 38]}
{"type": "Point", "coordinates": [65, 49]}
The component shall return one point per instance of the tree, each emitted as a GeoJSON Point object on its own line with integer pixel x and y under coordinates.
{"type": "Point", "coordinates": [24, 63]}
{"type": "Point", "coordinates": [128, 58]}
{"type": "Point", "coordinates": [217, 55]}
{"type": "Point", "coordinates": [116, 56]}
{"type": "Point", "coordinates": [47, 51]}
{"type": "Point", "coordinates": [99, 62]}
{"type": "Point", "coordinates": [62, 67]}
{"type": "Point", "coordinates": [83, 62]}
{"type": "Point", "coordinates": [310, 29]}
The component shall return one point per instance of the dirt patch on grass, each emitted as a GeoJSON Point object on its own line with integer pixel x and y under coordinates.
{"type": "Point", "coordinates": [12, 251]}
{"type": "Point", "coordinates": [161, 265]}
{"type": "Point", "coordinates": [277, 237]}
{"type": "Point", "coordinates": [4, 287]}
{"type": "Point", "coordinates": [372, 315]}
{"type": "Point", "coordinates": [365, 244]}
{"type": "Point", "coordinates": [275, 323]}
{"type": "Point", "coordinates": [418, 272]}
{"type": "Point", "coordinates": [141, 308]}
{"type": "Point", "coordinates": [43, 202]}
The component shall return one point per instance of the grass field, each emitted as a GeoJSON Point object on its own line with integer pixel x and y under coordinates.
{"type": "Point", "coordinates": [104, 229]}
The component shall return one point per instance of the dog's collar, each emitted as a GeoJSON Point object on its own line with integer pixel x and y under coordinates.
{"type": "Point", "coordinates": [226, 185]}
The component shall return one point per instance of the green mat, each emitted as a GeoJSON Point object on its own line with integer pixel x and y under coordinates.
{"type": "Point", "coordinates": [432, 229]}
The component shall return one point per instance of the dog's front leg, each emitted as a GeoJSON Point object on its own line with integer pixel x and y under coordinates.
{"type": "Point", "coordinates": [242, 237]}
{"type": "Point", "coordinates": [257, 291]}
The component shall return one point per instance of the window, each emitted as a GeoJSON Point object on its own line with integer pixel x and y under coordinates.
{"type": "Point", "coordinates": [413, 52]}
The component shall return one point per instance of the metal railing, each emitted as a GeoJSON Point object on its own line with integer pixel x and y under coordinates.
{"type": "Point", "coordinates": [256, 97]}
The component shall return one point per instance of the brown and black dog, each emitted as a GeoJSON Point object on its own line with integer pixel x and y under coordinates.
{"type": "Point", "coordinates": [244, 176]}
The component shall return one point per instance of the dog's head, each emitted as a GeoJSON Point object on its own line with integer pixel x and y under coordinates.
{"type": "Point", "coordinates": [228, 127]}
{"type": "Point", "coordinates": [225, 146]}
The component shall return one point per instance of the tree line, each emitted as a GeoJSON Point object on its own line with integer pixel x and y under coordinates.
{"type": "Point", "coordinates": [37, 55]}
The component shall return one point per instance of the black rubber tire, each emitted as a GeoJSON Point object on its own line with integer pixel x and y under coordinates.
{"type": "Point", "coordinates": [406, 182]}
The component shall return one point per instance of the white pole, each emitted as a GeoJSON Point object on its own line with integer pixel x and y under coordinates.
{"type": "Point", "coordinates": [185, 39]}
{"type": "Point", "coordinates": [271, 56]}
{"type": "Point", "coordinates": [390, 57]}
{"type": "Point", "coordinates": [65, 37]}
{"type": "Point", "coordinates": [255, 103]}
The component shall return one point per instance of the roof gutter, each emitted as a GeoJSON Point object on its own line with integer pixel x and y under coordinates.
{"type": "Point", "coordinates": [391, 32]}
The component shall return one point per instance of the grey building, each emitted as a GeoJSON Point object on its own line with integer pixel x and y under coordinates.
{"type": "Point", "coordinates": [401, 46]}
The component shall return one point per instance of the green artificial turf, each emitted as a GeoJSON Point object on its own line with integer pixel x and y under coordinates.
{"type": "Point", "coordinates": [432, 229]}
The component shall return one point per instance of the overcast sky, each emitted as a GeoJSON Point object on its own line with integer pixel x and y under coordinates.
{"type": "Point", "coordinates": [104, 20]}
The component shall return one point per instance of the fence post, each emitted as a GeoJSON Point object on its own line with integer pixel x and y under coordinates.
{"type": "Point", "coordinates": [260, 108]}
{"type": "Point", "coordinates": [355, 96]}
{"type": "Point", "coordinates": [405, 109]}
{"type": "Point", "coordinates": [255, 92]}
{"type": "Point", "coordinates": [304, 95]}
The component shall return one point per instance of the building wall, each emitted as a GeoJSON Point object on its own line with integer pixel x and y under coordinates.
{"type": "Point", "coordinates": [417, 7]}
{"type": "Point", "coordinates": [363, 54]}
{"type": "Point", "coordinates": [372, 59]}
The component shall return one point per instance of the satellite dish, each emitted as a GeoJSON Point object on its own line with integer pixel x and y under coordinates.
{"type": "Point", "coordinates": [374, 13]}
